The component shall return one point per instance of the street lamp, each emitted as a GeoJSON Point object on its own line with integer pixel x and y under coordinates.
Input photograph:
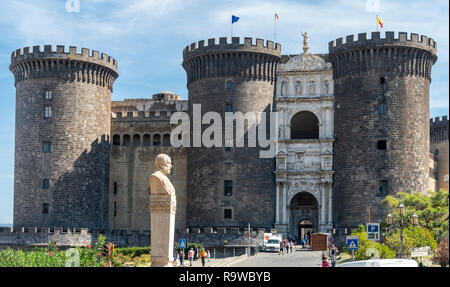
{"type": "Point", "coordinates": [401, 212]}
{"type": "Point", "coordinates": [389, 219]}
{"type": "Point", "coordinates": [401, 209]}
{"type": "Point", "coordinates": [414, 219]}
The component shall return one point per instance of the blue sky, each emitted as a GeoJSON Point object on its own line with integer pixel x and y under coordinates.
{"type": "Point", "coordinates": [147, 38]}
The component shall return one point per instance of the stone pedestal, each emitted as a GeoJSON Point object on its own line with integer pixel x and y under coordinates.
{"type": "Point", "coordinates": [162, 210]}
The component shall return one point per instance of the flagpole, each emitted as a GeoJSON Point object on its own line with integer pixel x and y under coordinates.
{"type": "Point", "coordinates": [377, 23]}
{"type": "Point", "coordinates": [231, 27]}
{"type": "Point", "coordinates": [275, 29]}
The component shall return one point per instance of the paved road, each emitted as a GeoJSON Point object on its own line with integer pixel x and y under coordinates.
{"type": "Point", "coordinates": [299, 258]}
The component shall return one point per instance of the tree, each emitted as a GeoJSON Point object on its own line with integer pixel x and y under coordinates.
{"type": "Point", "coordinates": [416, 236]}
{"type": "Point", "coordinates": [441, 254]}
{"type": "Point", "coordinates": [432, 210]}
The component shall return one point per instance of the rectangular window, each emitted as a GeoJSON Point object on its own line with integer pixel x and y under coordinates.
{"type": "Point", "coordinates": [115, 187]}
{"type": "Point", "coordinates": [229, 84]}
{"type": "Point", "coordinates": [48, 112]}
{"type": "Point", "coordinates": [46, 184]}
{"type": "Point", "coordinates": [382, 109]}
{"type": "Point", "coordinates": [115, 208]}
{"type": "Point", "coordinates": [47, 147]}
{"type": "Point", "coordinates": [228, 108]}
{"type": "Point", "coordinates": [228, 213]}
{"type": "Point", "coordinates": [228, 188]}
{"type": "Point", "coordinates": [45, 208]}
{"type": "Point", "coordinates": [48, 95]}
{"type": "Point", "coordinates": [383, 187]}
{"type": "Point", "coordinates": [382, 80]}
{"type": "Point", "coordinates": [382, 145]}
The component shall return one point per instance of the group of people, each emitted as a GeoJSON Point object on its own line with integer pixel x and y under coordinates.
{"type": "Point", "coordinates": [334, 252]}
{"type": "Point", "coordinates": [306, 240]}
{"type": "Point", "coordinates": [286, 246]}
{"type": "Point", "coordinates": [192, 256]}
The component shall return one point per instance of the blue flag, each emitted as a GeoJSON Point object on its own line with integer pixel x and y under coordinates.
{"type": "Point", "coordinates": [234, 19]}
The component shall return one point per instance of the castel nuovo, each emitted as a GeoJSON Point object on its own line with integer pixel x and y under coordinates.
{"type": "Point", "coordinates": [352, 127]}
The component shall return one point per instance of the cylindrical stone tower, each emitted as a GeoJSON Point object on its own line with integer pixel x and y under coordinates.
{"type": "Point", "coordinates": [230, 187]}
{"type": "Point", "coordinates": [381, 121]}
{"type": "Point", "coordinates": [63, 106]}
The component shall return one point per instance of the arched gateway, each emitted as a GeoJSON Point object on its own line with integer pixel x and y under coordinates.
{"type": "Point", "coordinates": [304, 214]}
{"type": "Point", "coordinates": [304, 158]}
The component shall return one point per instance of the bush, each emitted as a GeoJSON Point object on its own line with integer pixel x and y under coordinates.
{"type": "Point", "coordinates": [53, 257]}
{"type": "Point", "coordinates": [412, 237]}
{"type": "Point", "coordinates": [441, 254]}
{"type": "Point", "coordinates": [133, 251]}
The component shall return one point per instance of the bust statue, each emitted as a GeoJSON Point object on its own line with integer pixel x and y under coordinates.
{"type": "Point", "coordinates": [162, 212]}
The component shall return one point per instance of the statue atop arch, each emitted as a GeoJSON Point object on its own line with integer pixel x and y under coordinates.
{"type": "Point", "coordinates": [305, 43]}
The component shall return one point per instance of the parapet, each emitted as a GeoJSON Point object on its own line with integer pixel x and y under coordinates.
{"type": "Point", "coordinates": [438, 121]}
{"type": "Point", "coordinates": [235, 45]}
{"type": "Point", "coordinates": [48, 52]}
{"type": "Point", "coordinates": [413, 40]}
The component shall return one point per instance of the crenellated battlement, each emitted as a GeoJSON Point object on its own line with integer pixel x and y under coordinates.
{"type": "Point", "coordinates": [403, 56]}
{"type": "Point", "coordinates": [439, 121]}
{"type": "Point", "coordinates": [235, 45]}
{"type": "Point", "coordinates": [88, 66]}
{"type": "Point", "coordinates": [245, 60]}
{"type": "Point", "coordinates": [403, 39]}
{"type": "Point", "coordinates": [439, 130]}
{"type": "Point", "coordinates": [48, 52]}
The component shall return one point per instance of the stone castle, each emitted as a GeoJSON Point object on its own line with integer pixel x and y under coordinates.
{"type": "Point", "coordinates": [353, 127]}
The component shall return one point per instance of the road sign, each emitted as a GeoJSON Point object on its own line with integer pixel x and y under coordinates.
{"type": "Point", "coordinates": [182, 243]}
{"type": "Point", "coordinates": [420, 251]}
{"type": "Point", "coordinates": [373, 231]}
{"type": "Point", "coordinates": [352, 242]}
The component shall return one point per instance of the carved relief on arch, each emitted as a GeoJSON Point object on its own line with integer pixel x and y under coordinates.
{"type": "Point", "coordinates": [299, 87]}
{"type": "Point", "coordinates": [298, 187]}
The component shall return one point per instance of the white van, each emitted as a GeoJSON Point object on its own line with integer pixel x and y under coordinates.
{"type": "Point", "coordinates": [381, 263]}
{"type": "Point", "coordinates": [273, 244]}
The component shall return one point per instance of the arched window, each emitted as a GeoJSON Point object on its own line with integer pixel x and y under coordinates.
{"type": "Point", "coordinates": [136, 140]}
{"type": "Point", "coordinates": [147, 140]}
{"type": "Point", "coordinates": [305, 125]}
{"type": "Point", "coordinates": [156, 140]}
{"type": "Point", "coordinates": [126, 140]}
{"type": "Point", "coordinates": [116, 140]}
{"type": "Point", "coordinates": [166, 140]}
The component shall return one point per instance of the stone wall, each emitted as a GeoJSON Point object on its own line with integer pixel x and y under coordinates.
{"type": "Point", "coordinates": [439, 146]}
{"type": "Point", "coordinates": [382, 93]}
{"type": "Point", "coordinates": [78, 130]}
{"type": "Point", "coordinates": [133, 161]}
{"type": "Point", "coordinates": [70, 237]}
{"type": "Point", "coordinates": [242, 76]}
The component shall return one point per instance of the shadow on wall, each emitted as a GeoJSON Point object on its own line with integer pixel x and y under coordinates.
{"type": "Point", "coordinates": [80, 197]}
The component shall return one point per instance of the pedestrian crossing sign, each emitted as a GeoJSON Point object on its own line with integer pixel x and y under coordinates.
{"type": "Point", "coordinates": [352, 242]}
{"type": "Point", "coordinates": [182, 243]}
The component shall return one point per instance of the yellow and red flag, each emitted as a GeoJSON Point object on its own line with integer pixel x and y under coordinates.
{"type": "Point", "coordinates": [379, 22]}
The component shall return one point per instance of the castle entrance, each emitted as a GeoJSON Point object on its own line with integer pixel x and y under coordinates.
{"type": "Point", "coordinates": [305, 227]}
{"type": "Point", "coordinates": [304, 215]}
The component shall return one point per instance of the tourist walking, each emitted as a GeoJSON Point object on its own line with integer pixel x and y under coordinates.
{"type": "Point", "coordinates": [195, 253]}
{"type": "Point", "coordinates": [181, 257]}
{"type": "Point", "coordinates": [333, 254]}
{"type": "Point", "coordinates": [281, 248]}
{"type": "Point", "coordinates": [191, 256]}
{"type": "Point", "coordinates": [203, 255]}
{"type": "Point", "coordinates": [209, 256]}
{"type": "Point", "coordinates": [287, 246]}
